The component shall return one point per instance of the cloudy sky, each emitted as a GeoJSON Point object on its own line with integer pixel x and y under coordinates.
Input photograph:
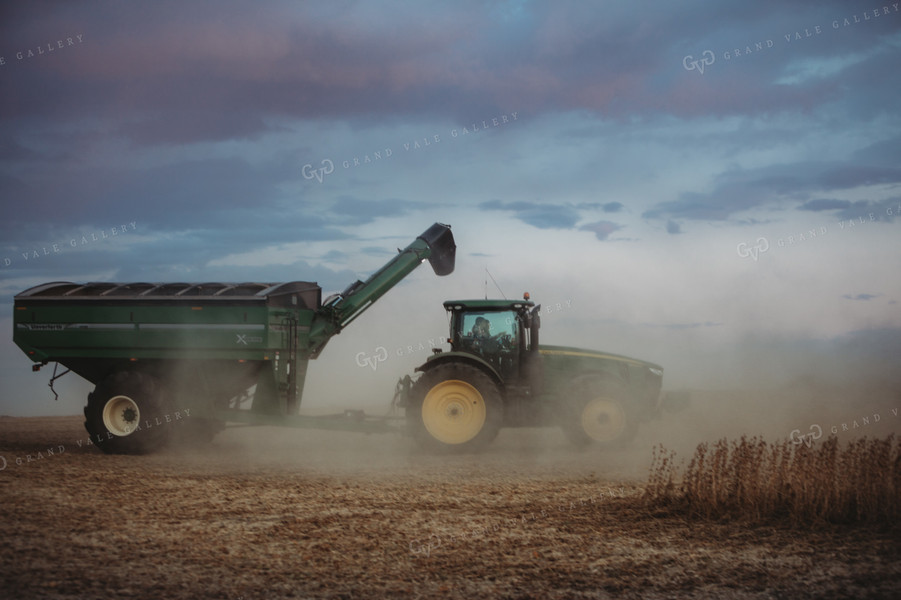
{"type": "Point", "coordinates": [700, 184]}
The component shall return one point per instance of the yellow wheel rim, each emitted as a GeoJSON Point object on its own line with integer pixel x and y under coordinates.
{"type": "Point", "coordinates": [603, 419]}
{"type": "Point", "coordinates": [121, 415]}
{"type": "Point", "coordinates": [454, 412]}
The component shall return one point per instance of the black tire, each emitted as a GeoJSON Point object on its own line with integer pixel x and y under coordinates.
{"type": "Point", "coordinates": [596, 412]}
{"type": "Point", "coordinates": [455, 407]}
{"type": "Point", "coordinates": [128, 413]}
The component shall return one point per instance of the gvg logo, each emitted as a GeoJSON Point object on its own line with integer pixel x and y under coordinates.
{"type": "Point", "coordinates": [327, 168]}
{"type": "Point", "coordinates": [761, 246]}
{"type": "Point", "coordinates": [816, 432]}
{"type": "Point", "coordinates": [691, 64]}
{"type": "Point", "coordinates": [381, 355]}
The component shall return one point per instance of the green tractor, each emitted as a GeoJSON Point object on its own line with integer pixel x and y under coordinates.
{"type": "Point", "coordinates": [497, 375]}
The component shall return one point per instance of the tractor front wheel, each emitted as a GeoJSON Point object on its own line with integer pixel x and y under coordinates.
{"type": "Point", "coordinates": [126, 414]}
{"type": "Point", "coordinates": [596, 412]}
{"type": "Point", "coordinates": [455, 407]}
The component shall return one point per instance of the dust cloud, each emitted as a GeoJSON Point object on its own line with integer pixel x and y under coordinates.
{"type": "Point", "coordinates": [798, 392]}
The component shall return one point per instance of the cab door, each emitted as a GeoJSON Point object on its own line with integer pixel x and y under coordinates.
{"type": "Point", "coordinates": [494, 336]}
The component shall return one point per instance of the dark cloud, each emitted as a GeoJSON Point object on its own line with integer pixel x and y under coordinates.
{"type": "Point", "coordinates": [366, 249]}
{"type": "Point", "coordinates": [188, 126]}
{"type": "Point", "coordinates": [824, 204]}
{"type": "Point", "coordinates": [735, 191]}
{"type": "Point", "coordinates": [542, 216]}
{"type": "Point", "coordinates": [178, 75]}
{"type": "Point", "coordinates": [842, 177]}
{"type": "Point", "coordinates": [738, 190]}
{"type": "Point", "coordinates": [338, 255]}
{"type": "Point", "coordinates": [863, 297]}
{"type": "Point", "coordinates": [613, 207]}
{"type": "Point", "coordinates": [884, 211]}
{"type": "Point", "coordinates": [695, 206]}
{"type": "Point", "coordinates": [884, 153]}
{"type": "Point", "coordinates": [672, 227]}
{"type": "Point", "coordinates": [602, 229]}
{"type": "Point", "coordinates": [188, 193]}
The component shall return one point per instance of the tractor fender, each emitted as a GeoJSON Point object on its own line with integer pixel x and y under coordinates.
{"type": "Point", "coordinates": [461, 357]}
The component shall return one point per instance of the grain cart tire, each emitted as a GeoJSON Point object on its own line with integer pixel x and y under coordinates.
{"type": "Point", "coordinates": [596, 413]}
{"type": "Point", "coordinates": [455, 408]}
{"type": "Point", "coordinates": [126, 414]}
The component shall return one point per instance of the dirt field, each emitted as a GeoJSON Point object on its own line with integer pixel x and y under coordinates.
{"type": "Point", "coordinates": [274, 513]}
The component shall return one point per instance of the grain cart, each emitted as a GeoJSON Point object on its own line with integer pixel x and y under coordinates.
{"type": "Point", "coordinates": [497, 375]}
{"type": "Point", "coordinates": [179, 359]}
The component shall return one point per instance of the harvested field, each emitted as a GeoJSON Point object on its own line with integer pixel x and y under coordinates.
{"type": "Point", "coordinates": [277, 513]}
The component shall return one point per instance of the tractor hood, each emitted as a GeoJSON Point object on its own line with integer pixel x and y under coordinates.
{"type": "Point", "coordinates": [583, 353]}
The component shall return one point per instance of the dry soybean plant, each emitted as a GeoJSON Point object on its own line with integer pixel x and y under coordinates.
{"type": "Point", "coordinates": [752, 480]}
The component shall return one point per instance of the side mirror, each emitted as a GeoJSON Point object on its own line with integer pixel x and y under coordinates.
{"type": "Point", "coordinates": [535, 326]}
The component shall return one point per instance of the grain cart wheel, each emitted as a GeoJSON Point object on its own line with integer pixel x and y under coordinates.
{"type": "Point", "coordinates": [455, 408]}
{"type": "Point", "coordinates": [595, 412]}
{"type": "Point", "coordinates": [126, 414]}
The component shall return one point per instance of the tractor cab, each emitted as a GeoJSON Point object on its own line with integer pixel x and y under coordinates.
{"type": "Point", "coordinates": [503, 333]}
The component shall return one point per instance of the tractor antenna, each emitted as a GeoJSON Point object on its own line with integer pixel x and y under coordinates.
{"type": "Point", "coordinates": [495, 285]}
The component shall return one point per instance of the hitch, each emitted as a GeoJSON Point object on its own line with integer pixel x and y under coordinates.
{"type": "Point", "coordinates": [401, 394]}
{"type": "Point", "coordinates": [54, 378]}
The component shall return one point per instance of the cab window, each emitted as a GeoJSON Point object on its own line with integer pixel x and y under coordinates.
{"type": "Point", "coordinates": [489, 324]}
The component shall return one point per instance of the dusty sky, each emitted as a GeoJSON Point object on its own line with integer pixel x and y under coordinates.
{"type": "Point", "coordinates": [713, 186]}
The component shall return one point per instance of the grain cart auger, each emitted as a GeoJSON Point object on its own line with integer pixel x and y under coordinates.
{"type": "Point", "coordinates": [179, 360]}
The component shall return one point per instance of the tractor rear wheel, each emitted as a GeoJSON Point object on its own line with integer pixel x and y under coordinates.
{"type": "Point", "coordinates": [126, 414]}
{"type": "Point", "coordinates": [596, 412]}
{"type": "Point", "coordinates": [455, 407]}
